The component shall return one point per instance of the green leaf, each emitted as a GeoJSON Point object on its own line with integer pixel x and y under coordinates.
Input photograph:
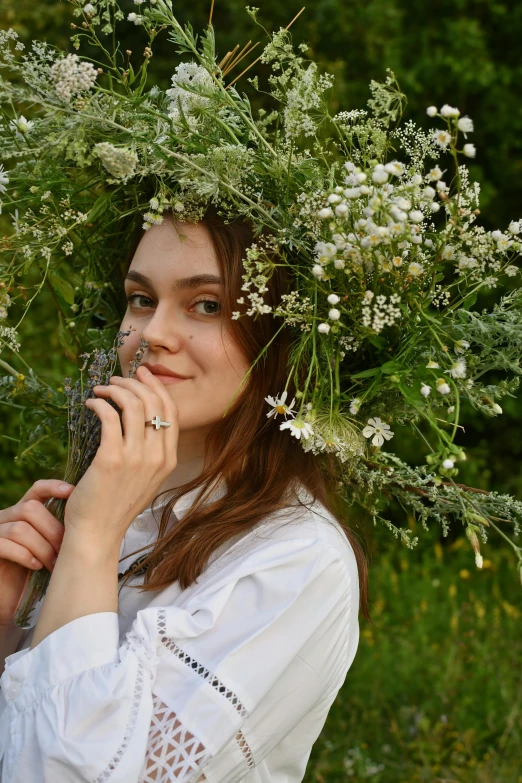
{"type": "Point", "coordinates": [469, 301]}
{"type": "Point", "coordinates": [63, 288]}
{"type": "Point", "coordinates": [389, 368]}
{"type": "Point", "coordinates": [367, 373]}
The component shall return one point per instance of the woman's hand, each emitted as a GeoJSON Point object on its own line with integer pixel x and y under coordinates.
{"type": "Point", "coordinates": [30, 537]}
{"type": "Point", "coordinates": [129, 467]}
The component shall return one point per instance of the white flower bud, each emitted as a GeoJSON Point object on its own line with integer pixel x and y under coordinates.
{"type": "Point", "coordinates": [318, 271]}
{"type": "Point", "coordinates": [442, 386]}
{"type": "Point", "coordinates": [496, 407]}
{"type": "Point", "coordinates": [416, 179]}
{"type": "Point", "coordinates": [334, 314]}
{"type": "Point", "coordinates": [514, 227]}
{"type": "Point", "coordinates": [469, 150]}
{"type": "Point", "coordinates": [479, 562]}
{"type": "Point", "coordinates": [333, 299]}
{"type": "Point", "coordinates": [333, 198]}
{"type": "Point", "coordinates": [448, 464]}
{"type": "Point", "coordinates": [434, 206]}
{"type": "Point", "coordinates": [416, 216]}
{"type": "Point", "coordinates": [449, 111]}
{"type": "Point", "coordinates": [323, 328]}
{"type": "Point", "coordinates": [379, 175]}
{"type": "Point", "coordinates": [361, 177]}
{"type": "Point", "coordinates": [465, 124]}
{"type": "Point", "coordinates": [342, 210]}
{"type": "Point", "coordinates": [425, 390]}
{"type": "Point", "coordinates": [325, 213]}
{"type": "Point", "coordinates": [432, 111]}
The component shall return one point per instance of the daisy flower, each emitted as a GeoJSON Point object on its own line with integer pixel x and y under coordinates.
{"type": "Point", "coordinates": [298, 428]}
{"type": "Point", "coordinates": [458, 369]}
{"type": "Point", "coordinates": [379, 429]}
{"type": "Point", "coordinates": [279, 406]}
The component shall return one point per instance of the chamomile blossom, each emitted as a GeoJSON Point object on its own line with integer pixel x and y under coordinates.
{"type": "Point", "coordinates": [298, 428]}
{"type": "Point", "coordinates": [379, 430]}
{"type": "Point", "coordinates": [458, 369]}
{"type": "Point", "coordinates": [355, 404]}
{"type": "Point", "coordinates": [279, 406]}
{"type": "Point", "coordinates": [4, 180]}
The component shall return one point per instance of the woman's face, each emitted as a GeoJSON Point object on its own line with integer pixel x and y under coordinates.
{"type": "Point", "coordinates": [177, 309]}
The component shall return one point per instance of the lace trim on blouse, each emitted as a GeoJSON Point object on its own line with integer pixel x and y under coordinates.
{"type": "Point", "coordinates": [173, 753]}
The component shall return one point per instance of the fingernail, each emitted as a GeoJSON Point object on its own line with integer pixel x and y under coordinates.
{"type": "Point", "coordinates": [64, 487]}
{"type": "Point", "coordinates": [145, 369]}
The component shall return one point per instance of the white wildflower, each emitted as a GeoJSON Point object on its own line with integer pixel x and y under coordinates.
{"type": "Point", "coordinates": [448, 464]}
{"type": "Point", "coordinates": [318, 271]}
{"type": "Point", "coordinates": [416, 216]}
{"type": "Point", "coordinates": [325, 213]}
{"type": "Point", "coordinates": [89, 9]}
{"type": "Point", "coordinates": [442, 386]}
{"type": "Point", "coordinates": [461, 346]}
{"type": "Point", "coordinates": [465, 124]}
{"type": "Point", "coordinates": [279, 406]}
{"type": "Point", "coordinates": [469, 150]}
{"type": "Point", "coordinates": [333, 299]}
{"type": "Point", "coordinates": [511, 270]}
{"type": "Point", "coordinates": [4, 180]}
{"type": "Point", "coordinates": [515, 227]}
{"type": "Point", "coordinates": [379, 430]}
{"type": "Point", "coordinates": [71, 76]}
{"type": "Point", "coordinates": [449, 111]}
{"type": "Point", "coordinates": [334, 314]}
{"type": "Point", "coordinates": [355, 404]}
{"type": "Point", "coordinates": [298, 428]}
{"type": "Point", "coordinates": [435, 174]}
{"type": "Point", "coordinates": [324, 328]}
{"type": "Point", "coordinates": [432, 111]}
{"type": "Point", "coordinates": [21, 124]}
{"type": "Point", "coordinates": [415, 269]}
{"type": "Point", "coordinates": [342, 210]}
{"type": "Point", "coordinates": [479, 562]}
{"type": "Point", "coordinates": [448, 253]}
{"type": "Point", "coordinates": [425, 390]}
{"type": "Point", "coordinates": [395, 167]}
{"type": "Point", "coordinates": [187, 77]}
{"type": "Point", "coordinates": [118, 161]}
{"type": "Point", "coordinates": [434, 207]}
{"type": "Point", "coordinates": [442, 138]}
{"type": "Point", "coordinates": [379, 175]}
{"type": "Point", "coordinates": [496, 407]}
{"type": "Point", "coordinates": [458, 369]}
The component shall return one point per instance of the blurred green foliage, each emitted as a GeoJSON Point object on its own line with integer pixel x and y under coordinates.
{"type": "Point", "coordinates": [435, 690]}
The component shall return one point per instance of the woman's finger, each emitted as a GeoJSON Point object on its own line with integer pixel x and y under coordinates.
{"type": "Point", "coordinates": [111, 441]}
{"type": "Point", "coordinates": [137, 407]}
{"type": "Point", "coordinates": [157, 402]}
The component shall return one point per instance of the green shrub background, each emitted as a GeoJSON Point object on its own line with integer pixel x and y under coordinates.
{"type": "Point", "coordinates": [434, 694]}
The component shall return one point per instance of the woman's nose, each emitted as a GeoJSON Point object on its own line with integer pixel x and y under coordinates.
{"type": "Point", "coordinates": [163, 328]}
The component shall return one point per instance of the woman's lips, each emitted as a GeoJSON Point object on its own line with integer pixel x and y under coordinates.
{"type": "Point", "coordinates": [168, 379]}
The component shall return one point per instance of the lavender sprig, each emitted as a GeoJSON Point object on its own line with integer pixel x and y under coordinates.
{"type": "Point", "coordinates": [84, 430]}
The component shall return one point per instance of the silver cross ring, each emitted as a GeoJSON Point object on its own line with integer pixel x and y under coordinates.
{"type": "Point", "coordinates": [156, 422]}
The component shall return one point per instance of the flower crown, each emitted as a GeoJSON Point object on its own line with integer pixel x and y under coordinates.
{"type": "Point", "coordinates": [375, 218]}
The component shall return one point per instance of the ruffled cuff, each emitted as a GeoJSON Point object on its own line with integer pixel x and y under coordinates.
{"type": "Point", "coordinates": [82, 644]}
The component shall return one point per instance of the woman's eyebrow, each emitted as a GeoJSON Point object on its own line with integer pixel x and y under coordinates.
{"type": "Point", "coordinates": [185, 282]}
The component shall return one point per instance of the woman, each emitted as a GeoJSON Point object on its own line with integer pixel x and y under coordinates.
{"type": "Point", "coordinates": [225, 662]}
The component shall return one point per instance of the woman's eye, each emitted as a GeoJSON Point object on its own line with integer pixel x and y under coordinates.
{"type": "Point", "coordinates": [210, 306]}
{"type": "Point", "coordinates": [132, 297]}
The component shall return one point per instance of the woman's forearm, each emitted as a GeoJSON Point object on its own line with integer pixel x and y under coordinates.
{"type": "Point", "coordinates": [84, 581]}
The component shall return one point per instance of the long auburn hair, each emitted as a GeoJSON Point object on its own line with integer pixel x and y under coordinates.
{"type": "Point", "coordinates": [258, 463]}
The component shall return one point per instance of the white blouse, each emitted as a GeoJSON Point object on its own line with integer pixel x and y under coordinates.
{"type": "Point", "coordinates": [229, 680]}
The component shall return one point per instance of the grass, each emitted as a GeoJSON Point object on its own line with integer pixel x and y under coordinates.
{"type": "Point", "coordinates": [435, 692]}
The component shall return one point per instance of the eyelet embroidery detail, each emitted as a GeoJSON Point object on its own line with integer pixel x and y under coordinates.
{"type": "Point", "coordinates": [198, 668]}
{"type": "Point", "coordinates": [129, 729]}
{"type": "Point", "coordinates": [245, 749]}
{"type": "Point", "coordinates": [213, 681]}
{"type": "Point", "coordinates": [173, 753]}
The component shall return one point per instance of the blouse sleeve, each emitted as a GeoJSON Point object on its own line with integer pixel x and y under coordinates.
{"type": "Point", "coordinates": [171, 703]}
